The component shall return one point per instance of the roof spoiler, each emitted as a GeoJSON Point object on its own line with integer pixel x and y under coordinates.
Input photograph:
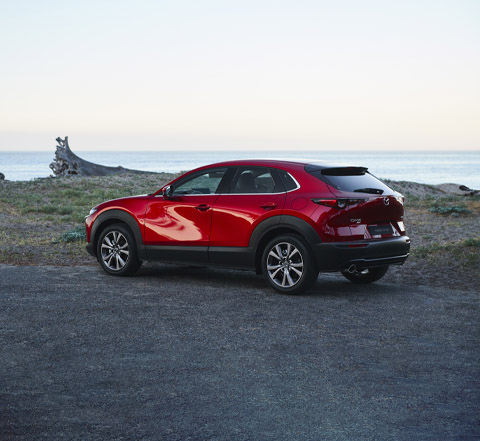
{"type": "Point", "coordinates": [336, 170]}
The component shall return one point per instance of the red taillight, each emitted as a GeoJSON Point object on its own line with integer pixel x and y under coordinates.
{"type": "Point", "coordinates": [338, 203]}
{"type": "Point", "coordinates": [326, 202]}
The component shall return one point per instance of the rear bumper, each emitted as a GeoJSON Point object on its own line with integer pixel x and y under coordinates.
{"type": "Point", "coordinates": [341, 255]}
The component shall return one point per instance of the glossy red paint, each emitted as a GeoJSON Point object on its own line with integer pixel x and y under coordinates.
{"type": "Point", "coordinates": [134, 206]}
{"type": "Point", "coordinates": [236, 215]}
{"type": "Point", "coordinates": [181, 221]}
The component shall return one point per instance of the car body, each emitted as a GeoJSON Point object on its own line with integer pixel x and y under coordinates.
{"type": "Point", "coordinates": [288, 220]}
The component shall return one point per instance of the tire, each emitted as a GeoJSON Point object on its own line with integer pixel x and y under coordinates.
{"type": "Point", "coordinates": [368, 275]}
{"type": "Point", "coordinates": [117, 251]}
{"type": "Point", "coordinates": [288, 265]}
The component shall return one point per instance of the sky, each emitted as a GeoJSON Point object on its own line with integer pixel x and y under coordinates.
{"type": "Point", "coordinates": [240, 75]}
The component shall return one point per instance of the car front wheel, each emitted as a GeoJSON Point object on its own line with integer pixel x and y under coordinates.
{"type": "Point", "coordinates": [367, 275]}
{"type": "Point", "coordinates": [117, 251]}
{"type": "Point", "coordinates": [288, 265]}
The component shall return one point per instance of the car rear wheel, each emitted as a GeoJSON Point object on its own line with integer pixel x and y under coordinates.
{"type": "Point", "coordinates": [288, 265]}
{"type": "Point", "coordinates": [367, 275]}
{"type": "Point", "coordinates": [117, 251]}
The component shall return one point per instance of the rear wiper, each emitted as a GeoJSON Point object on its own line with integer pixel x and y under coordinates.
{"type": "Point", "coordinates": [369, 190]}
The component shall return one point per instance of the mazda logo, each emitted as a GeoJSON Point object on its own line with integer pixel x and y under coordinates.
{"type": "Point", "coordinates": [386, 201]}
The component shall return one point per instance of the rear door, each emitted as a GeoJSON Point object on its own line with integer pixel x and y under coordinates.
{"type": "Point", "coordinates": [254, 194]}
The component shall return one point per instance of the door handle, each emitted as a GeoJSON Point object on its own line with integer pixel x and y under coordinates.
{"type": "Point", "coordinates": [268, 205]}
{"type": "Point", "coordinates": [202, 207]}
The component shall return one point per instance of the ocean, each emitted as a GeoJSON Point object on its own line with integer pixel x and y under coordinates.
{"type": "Point", "coordinates": [424, 167]}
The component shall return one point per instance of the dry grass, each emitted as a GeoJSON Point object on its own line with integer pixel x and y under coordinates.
{"type": "Point", "coordinates": [36, 215]}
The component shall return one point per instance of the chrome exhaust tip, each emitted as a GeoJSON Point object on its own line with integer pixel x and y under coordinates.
{"type": "Point", "coordinates": [352, 268]}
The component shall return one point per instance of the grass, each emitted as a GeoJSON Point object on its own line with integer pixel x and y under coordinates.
{"type": "Point", "coordinates": [43, 219]}
{"type": "Point", "coordinates": [465, 252]}
{"type": "Point", "coordinates": [78, 234]}
{"type": "Point", "coordinates": [444, 205]}
{"type": "Point", "coordinates": [454, 210]}
{"type": "Point", "coordinates": [472, 242]}
{"type": "Point", "coordinates": [69, 199]}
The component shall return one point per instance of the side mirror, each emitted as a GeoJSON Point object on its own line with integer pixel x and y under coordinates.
{"type": "Point", "coordinates": [167, 192]}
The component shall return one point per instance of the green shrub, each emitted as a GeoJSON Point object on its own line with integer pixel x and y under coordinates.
{"type": "Point", "coordinates": [472, 242]}
{"type": "Point", "coordinates": [455, 210]}
{"type": "Point", "coordinates": [76, 235]}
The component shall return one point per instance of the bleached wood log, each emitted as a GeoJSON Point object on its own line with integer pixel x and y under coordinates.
{"type": "Point", "coordinates": [67, 163]}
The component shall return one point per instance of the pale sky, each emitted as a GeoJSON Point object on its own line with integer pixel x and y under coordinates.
{"type": "Point", "coordinates": [243, 75]}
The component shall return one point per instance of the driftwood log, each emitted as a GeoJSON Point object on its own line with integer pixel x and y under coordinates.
{"type": "Point", "coordinates": [67, 163]}
{"type": "Point", "coordinates": [468, 191]}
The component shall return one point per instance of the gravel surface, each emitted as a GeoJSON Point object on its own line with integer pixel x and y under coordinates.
{"type": "Point", "coordinates": [204, 354]}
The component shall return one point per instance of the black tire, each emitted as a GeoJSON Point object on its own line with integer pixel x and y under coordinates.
{"type": "Point", "coordinates": [292, 272]}
{"type": "Point", "coordinates": [368, 275]}
{"type": "Point", "coordinates": [117, 251]}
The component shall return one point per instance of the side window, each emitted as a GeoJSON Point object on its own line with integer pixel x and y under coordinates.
{"type": "Point", "coordinates": [255, 180]}
{"type": "Point", "coordinates": [205, 183]}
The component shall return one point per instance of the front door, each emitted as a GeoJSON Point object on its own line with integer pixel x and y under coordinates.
{"type": "Point", "coordinates": [178, 228]}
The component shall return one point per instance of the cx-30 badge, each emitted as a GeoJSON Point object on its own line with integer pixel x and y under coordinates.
{"type": "Point", "coordinates": [386, 200]}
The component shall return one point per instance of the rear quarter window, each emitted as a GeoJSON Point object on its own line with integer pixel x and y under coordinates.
{"type": "Point", "coordinates": [287, 180]}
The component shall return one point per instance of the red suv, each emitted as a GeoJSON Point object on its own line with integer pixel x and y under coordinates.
{"type": "Point", "coordinates": [287, 220]}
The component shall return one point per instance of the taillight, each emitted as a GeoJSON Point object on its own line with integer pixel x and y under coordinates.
{"type": "Point", "coordinates": [338, 203]}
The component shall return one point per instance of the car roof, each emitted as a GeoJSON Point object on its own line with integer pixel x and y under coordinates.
{"type": "Point", "coordinates": [259, 161]}
{"type": "Point", "coordinates": [280, 163]}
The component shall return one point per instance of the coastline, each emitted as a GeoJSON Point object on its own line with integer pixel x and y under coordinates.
{"type": "Point", "coordinates": [41, 223]}
{"type": "Point", "coordinates": [419, 166]}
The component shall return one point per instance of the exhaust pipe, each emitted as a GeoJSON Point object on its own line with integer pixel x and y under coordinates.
{"type": "Point", "coordinates": [352, 268]}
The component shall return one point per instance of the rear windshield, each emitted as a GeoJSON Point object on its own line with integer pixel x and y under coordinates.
{"type": "Point", "coordinates": [350, 179]}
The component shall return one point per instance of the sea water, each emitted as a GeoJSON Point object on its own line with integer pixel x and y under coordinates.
{"type": "Point", "coordinates": [424, 167]}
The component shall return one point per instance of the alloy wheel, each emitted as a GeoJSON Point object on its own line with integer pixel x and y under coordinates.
{"type": "Point", "coordinates": [115, 250]}
{"type": "Point", "coordinates": [285, 265]}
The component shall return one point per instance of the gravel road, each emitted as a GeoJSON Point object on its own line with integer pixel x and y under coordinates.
{"type": "Point", "coordinates": [207, 354]}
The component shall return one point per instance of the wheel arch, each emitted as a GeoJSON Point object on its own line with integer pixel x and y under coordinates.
{"type": "Point", "coordinates": [266, 231]}
{"type": "Point", "coordinates": [116, 216]}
